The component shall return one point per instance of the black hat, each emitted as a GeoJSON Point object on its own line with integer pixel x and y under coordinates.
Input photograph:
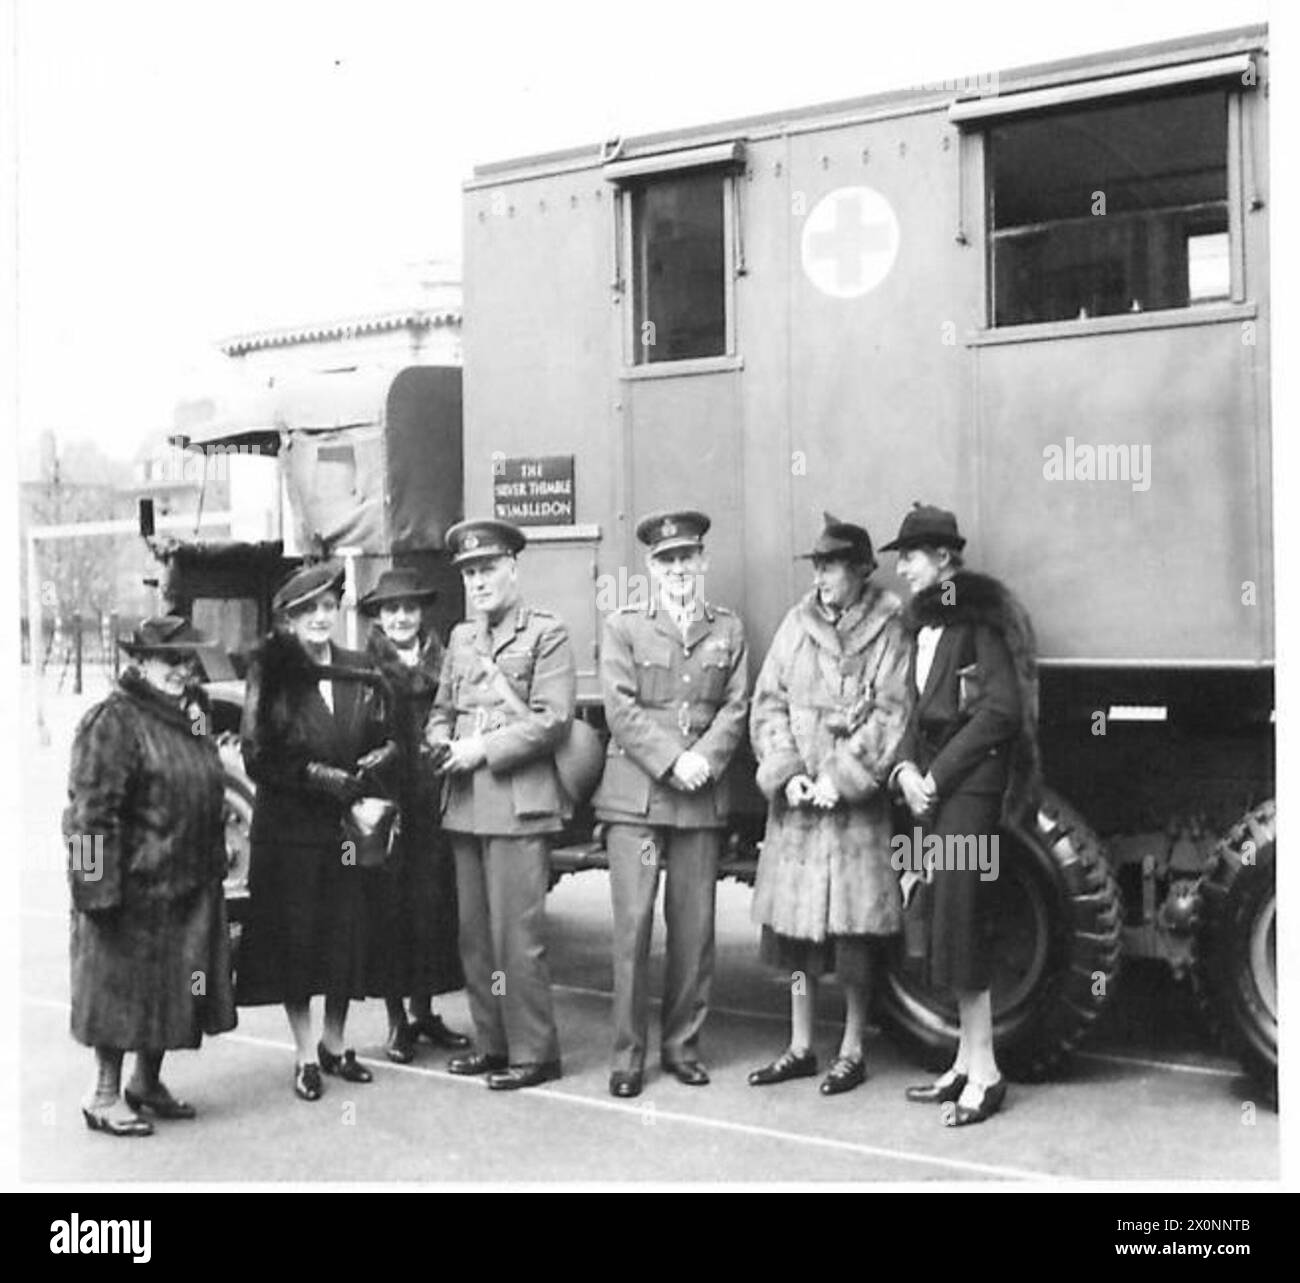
{"type": "Point", "coordinates": [486, 537]}
{"type": "Point", "coordinates": [927, 526]}
{"type": "Point", "coordinates": [307, 583]}
{"type": "Point", "coordinates": [399, 584]}
{"type": "Point", "coordinates": [164, 635]}
{"type": "Point", "coordinates": [664, 531]}
{"type": "Point", "coordinates": [842, 540]}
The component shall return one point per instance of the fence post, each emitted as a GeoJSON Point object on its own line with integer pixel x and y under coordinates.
{"type": "Point", "coordinates": [112, 641]}
{"type": "Point", "coordinates": [76, 651]}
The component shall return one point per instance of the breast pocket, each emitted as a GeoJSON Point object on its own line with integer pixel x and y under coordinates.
{"type": "Point", "coordinates": [517, 665]}
{"type": "Point", "coordinates": [654, 672]}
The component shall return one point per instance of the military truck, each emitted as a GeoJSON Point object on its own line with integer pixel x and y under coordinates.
{"type": "Point", "coordinates": [1039, 298]}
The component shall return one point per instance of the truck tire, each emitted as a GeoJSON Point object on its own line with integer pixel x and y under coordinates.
{"type": "Point", "coordinates": [1235, 971]}
{"type": "Point", "coordinates": [1057, 928]}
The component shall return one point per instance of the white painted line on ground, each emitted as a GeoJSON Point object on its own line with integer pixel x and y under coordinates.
{"type": "Point", "coordinates": [650, 1110]}
{"type": "Point", "coordinates": [1173, 1066]}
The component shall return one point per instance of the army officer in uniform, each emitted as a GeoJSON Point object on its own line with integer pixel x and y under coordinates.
{"type": "Point", "coordinates": [504, 704]}
{"type": "Point", "coordinates": [674, 673]}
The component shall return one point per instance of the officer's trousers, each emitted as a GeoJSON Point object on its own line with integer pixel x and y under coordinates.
{"type": "Point", "coordinates": [690, 857]}
{"type": "Point", "coordinates": [501, 885]}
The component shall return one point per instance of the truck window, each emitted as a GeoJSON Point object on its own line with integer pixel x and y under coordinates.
{"type": "Point", "coordinates": [1109, 209]}
{"type": "Point", "coordinates": [679, 267]}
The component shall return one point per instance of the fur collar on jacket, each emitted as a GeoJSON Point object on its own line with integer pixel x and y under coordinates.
{"type": "Point", "coordinates": [857, 627]}
{"type": "Point", "coordinates": [182, 710]}
{"type": "Point", "coordinates": [284, 660]}
{"type": "Point", "coordinates": [981, 600]}
{"type": "Point", "coordinates": [385, 656]}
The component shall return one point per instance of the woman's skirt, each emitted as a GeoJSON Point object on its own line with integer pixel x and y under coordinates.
{"type": "Point", "coordinates": [413, 923]}
{"type": "Point", "coordinates": [848, 958]}
{"type": "Point", "coordinates": [152, 976]}
{"type": "Point", "coordinates": [961, 922]}
{"type": "Point", "coordinates": [305, 932]}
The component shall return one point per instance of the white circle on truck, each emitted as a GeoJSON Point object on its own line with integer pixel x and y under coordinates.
{"type": "Point", "coordinates": [850, 240]}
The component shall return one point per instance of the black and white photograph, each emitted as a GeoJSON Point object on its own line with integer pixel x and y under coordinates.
{"type": "Point", "coordinates": [679, 597]}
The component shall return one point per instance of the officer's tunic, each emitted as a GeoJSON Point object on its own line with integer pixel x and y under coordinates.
{"type": "Point", "coordinates": [501, 816]}
{"type": "Point", "coordinates": [666, 692]}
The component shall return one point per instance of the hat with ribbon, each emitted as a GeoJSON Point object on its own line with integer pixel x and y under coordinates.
{"type": "Point", "coordinates": [306, 584]}
{"type": "Point", "coordinates": [164, 636]}
{"type": "Point", "coordinates": [840, 541]}
{"type": "Point", "coordinates": [398, 584]}
{"type": "Point", "coordinates": [926, 527]}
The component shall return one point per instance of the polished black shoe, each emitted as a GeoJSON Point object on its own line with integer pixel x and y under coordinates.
{"type": "Point", "coordinates": [786, 1066]}
{"type": "Point", "coordinates": [845, 1073]}
{"type": "Point", "coordinates": [110, 1119]}
{"type": "Point", "coordinates": [991, 1098]}
{"type": "Point", "coordinates": [477, 1062]}
{"type": "Point", "coordinates": [306, 1081]}
{"type": "Point", "coordinates": [625, 1083]}
{"type": "Point", "coordinates": [400, 1047]}
{"type": "Point", "coordinates": [431, 1029]}
{"type": "Point", "coordinates": [345, 1065]}
{"type": "Point", "coordinates": [947, 1087]}
{"type": "Point", "coordinates": [688, 1072]}
{"type": "Point", "coordinates": [517, 1076]}
{"type": "Point", "coordinates": [159, 1102]}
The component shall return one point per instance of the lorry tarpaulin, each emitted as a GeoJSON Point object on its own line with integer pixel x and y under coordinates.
{"type": "Point", "coordinates": [337, 487]}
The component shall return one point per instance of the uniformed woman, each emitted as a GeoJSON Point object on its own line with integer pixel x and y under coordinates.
{"type": "Point", "coordinates": [968, 762]}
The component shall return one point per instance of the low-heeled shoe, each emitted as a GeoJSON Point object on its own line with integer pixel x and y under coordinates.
{"type": "Point", "coordinates": [98, 1119]}
{"type": "Point", "coordinates": [688, 1072]}
{"type": "Point", "coordinates": [937, 1092]}
{"type": "Point", "coordinates": [529, 1075]}
{"type": "Point", "coordinates": [845, 1073]}
{"type": "Point", "coordinates": [432, 1029]}
{"type": "Point", "coordinates": [345, 1065]}
{"type": "Point", "coordinates": [477, 1062]}
{"type": "Point", "coordinates": [786, 1066]}
{"type": "Point", "coordinates": [160, 1103]}
{"type": "Point", "coordinates": [625, 1083]}
{"type": "Point", "coordinates": [306, 1081]}
{"type": "Point", "coordinates": [991, 1099]}
{"type": "Point", "coordinates": [400, 1047]}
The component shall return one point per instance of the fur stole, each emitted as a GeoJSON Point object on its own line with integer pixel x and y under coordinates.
{"type": "Point", "coordinates": [970, 598]}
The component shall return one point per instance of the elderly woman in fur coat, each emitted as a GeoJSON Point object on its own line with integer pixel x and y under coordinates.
{"type": "Point", "coordinates": [968, 763]}
{"type": "Point", "coordinates": [147, 855]}
{"type": "Point", "coordinates": [828, 712]}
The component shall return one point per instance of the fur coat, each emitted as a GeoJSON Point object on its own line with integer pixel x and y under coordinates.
{"type": "Point", "coordinates": [832, 699]}
{"type": "Point", "coordinates": [981, 601]}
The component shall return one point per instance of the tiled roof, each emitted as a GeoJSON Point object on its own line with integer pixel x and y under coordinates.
{"type": "Point", "coordinates": [287, 336]}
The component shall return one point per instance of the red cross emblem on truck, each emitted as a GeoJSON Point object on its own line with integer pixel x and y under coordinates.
{"type": "Point", "coordinates": [850, 241]}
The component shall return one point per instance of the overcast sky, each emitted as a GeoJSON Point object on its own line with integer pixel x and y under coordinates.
{"type": "Point", "coordinates": [189, 170]}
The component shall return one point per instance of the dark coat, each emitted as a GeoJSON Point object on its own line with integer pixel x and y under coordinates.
{"type": "Point", "coordinates": [987, 647]}
{"type": "Point", "coordinates": [413, 927]}
{"type": "Point", "coordinates": [305, 932]}
{"type": "Point", "coordinates": [146, 844]}
{"type": "Point", "coordinates": [664, 694]}
{"type": "Point", "coordinates": [980, 747]}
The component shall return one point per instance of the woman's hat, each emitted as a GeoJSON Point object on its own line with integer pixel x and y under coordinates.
{"type": "Point", "coordinates": [928, 527]}
{"type": "Point", "coordinates": [167, 636]}
{"type": "Point", "coordinates": [306, 584]}
{"type": "Point", "coordinates": [842, 540]}
{"type": "Point", "coordinates": [399, 584]}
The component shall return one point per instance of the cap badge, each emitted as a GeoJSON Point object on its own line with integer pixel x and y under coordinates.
{"type": "Point", "coordinates": [470, 542]}
{"type": "Point", "coordinates": [668, 529]}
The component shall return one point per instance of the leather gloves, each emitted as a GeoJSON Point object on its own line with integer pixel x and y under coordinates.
{"type": "Point", "coordinates": [373, 765]}
{"type": "Point", "coordinates": [335, 782]}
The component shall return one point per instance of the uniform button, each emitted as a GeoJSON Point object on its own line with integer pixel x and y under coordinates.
{"type": "Point", "coordinates": [686, 677]}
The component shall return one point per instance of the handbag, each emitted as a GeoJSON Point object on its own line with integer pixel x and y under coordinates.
{"type": "Point", "coordinates": [372, 824]}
